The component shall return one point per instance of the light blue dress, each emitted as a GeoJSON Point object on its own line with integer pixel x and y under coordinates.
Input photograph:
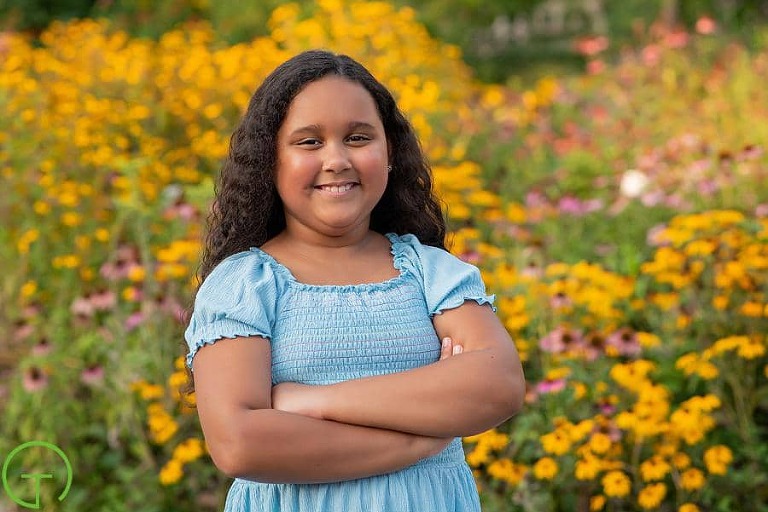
{"type": "Point", "coordinates": [323, 334]}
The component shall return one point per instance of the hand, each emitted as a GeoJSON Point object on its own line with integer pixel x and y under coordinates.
{"type": "Point", "coordinates": [449, 348]}
{"type": "Point", "coordinates": [298, 399]}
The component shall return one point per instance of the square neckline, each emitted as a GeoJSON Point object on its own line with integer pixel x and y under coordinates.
{"type": "Point", "coordinates": [395, 249]}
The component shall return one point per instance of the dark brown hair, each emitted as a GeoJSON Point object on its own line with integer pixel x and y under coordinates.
{"type": "Point", "coordinates": [247, 210]}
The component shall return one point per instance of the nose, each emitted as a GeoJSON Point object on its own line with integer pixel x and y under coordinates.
{"type": "Point", "coordinates": [336, 158]}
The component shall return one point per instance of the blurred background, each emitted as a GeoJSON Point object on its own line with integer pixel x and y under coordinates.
{"type": "Point", "coordinates": [602, 162]}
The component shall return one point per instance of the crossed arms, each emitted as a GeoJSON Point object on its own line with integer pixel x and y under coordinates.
{"type": "Point", "coordinates": [310, 434]}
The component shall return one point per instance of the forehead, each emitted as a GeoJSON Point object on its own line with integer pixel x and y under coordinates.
{"type": "Point", "coordinates": [329, 99]}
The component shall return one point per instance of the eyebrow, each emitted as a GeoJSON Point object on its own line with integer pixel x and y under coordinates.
{"type": "Point", "coordinates": [314, 128]}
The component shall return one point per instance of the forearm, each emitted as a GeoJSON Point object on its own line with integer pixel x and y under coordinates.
{"type": "Point", "coordinates": [279, 447]}
{"type": "Point", "coordinates": [458, 396]}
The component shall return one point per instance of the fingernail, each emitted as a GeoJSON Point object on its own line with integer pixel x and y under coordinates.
{"type": "Point", "coordinates": [446, 342]}
{"type": "Point", "coordinates": [457, 349]}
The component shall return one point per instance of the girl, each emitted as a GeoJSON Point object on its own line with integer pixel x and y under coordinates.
{"type": "Point", "coordinates": [320, 379]}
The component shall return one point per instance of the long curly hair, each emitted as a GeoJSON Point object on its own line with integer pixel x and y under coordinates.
{"type": "Point", "coordinates": [247, 210]}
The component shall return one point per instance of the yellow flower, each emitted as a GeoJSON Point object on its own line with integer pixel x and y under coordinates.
{"type": "Point", "coordinates": [616, 484]}
{"type": "Point", "coordinates": [587, 468]}
{"type": "Point", "coordinates": [171, 473]}
{"type": "Point", "coordinates": [720, 302]}
{"type": "Point", "coordinates": [26, 240]}
{"type": "Point", "coordinates": [654, 468]}
{"type": "Point", "coordinates": [752, 309]}
{"type": "Point", "coordinates": [178, 380]}
{"type": "Point", "coordinates": [545, 468]}
{"type": "Point", "coordinates": [692, 479]}
{"type": "Point", "coordinates": [681, 460]}
{"type": "Point", "coordinates": [652, 495]}
{"type": "Point", "coordinates": [507, 471]}
{"type": "Point", "coordinates": [579, 390]}
{"type": "Point", "coordinates": [148, 391]}
{"type": "Point", "coordinates": [188, 450]}
{"type": "Point", "coordinates": [600, 442]}
{"type": "Point", "coordinates": [66, 261]}
{"type": "Point", "coordinates": [137, 273]}
{"type": "Point", "coordinates": [28, 289]}
{"type": "Point", "coordinates": [557, 442]}
{"type": "Point", "coordinates": [717, 459]}
{"type": "Point", "coordinates": [688, 507]}
{"type": "Point", "coordinates": [751, 349]}
{"type": "Point", "coordinates": [479, 455]}
{"type": "Point", "coordinates": [596, 503]}
{"type": "Point", "coordinates": [648, 340]}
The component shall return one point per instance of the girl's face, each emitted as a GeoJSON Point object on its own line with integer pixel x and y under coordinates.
{"type": "Point", "coordinates": [332, 159]}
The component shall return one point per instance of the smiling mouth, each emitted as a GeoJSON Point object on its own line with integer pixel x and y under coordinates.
{"type": "Point", "coordinates": [337, 189]}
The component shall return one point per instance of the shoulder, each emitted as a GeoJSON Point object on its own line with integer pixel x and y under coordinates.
{"type": "Point", "coordinates": [424, 256]}
{"type": "Point", "coordinates": [447, 281]}
{"type": "Point", "coordinates": [250, 269]}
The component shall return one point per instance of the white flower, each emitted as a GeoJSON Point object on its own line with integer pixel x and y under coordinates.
{"type": "Point", "coordinates": [633, 183]}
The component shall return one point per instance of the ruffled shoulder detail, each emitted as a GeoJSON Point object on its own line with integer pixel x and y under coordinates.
{"type": "Point", "coordinates": [404, 253]}
{"type": "Point", "coordinates": [238, 298]}
{"type": "Point", "coordinates": [447, 281]}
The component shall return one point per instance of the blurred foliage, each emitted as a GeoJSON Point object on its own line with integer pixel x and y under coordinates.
{"type": "Point", "coordinates": [498, 38]}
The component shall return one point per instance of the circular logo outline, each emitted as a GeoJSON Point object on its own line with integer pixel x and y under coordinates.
{"type": "Point", "coordinates": [24, 446]}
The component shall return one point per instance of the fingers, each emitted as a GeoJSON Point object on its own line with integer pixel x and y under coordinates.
{"type": "Point", "coordinates": [449, 348]}
{"type": "Point", "coordinates": [446, 348]}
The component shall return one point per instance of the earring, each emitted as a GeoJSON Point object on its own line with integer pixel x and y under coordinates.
{"type": "Point", "coordinates": [389, 168]}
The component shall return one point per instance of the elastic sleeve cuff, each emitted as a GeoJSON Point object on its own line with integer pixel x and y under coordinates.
{"type": "Point", "coordinates": [460, 296]}
{"type": "Point", "coordinates": [209, 334]}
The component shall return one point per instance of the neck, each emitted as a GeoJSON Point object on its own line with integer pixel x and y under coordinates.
{"type": "Point", "coordinates": [302, 237]}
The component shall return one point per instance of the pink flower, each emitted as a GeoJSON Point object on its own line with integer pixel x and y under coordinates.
{"type": "Point", "coordinates": [561, 340]}
{"type": "Point", "coordinates": [605, 406]}
{"type": "Point", "coordinates": [706, 25]}
{"type": "Point", "coordinates": [625, 342]}
{"type": "Point", "coordinates": [595, 67]}
{"type": "Point", "coordinates": [133, 321]}
{"type": "Point", "coordinates": [654, 236]}
{"type": "Point", "coordinates": [751, 152]}
{"type": "Point", "coordinates": [676, 39]}
{"type": "Point", "coordinates": [93, 374]}
{"type": "Point", "coordinates": [591, 46]}
{"type": "Point", "coordinates": [761, 210]}
{"type": "Point", "coordinates": [34, 379]}
{"type": "Point", "coordinates": [535, 199]}
{"type": "Point", "coordinates": [569, 204]}
{"type": "Point", "coordinates": [707, 187]}
{"type": "Point", "coordinates": [470, 257]}
{"type": "Point", "coordinates": [651, 55]}
{"type": "Point", "coordinates": [22, 330]}
{"type": "Point", "coordinates": [550, 386]}
{"type": "Point", "coordinates": [127, 256]}
{"type": "Point", "coordinates": [560, 301]}
{"type": "Point", "coordinates": [181, 210]}
{"type": "Point", "coordinates": [42, 348]}
{"type": "Point", "coordinates": [103, 300]}
{"type": "Point", "coordinates": [594, 346]}
{"type": "Point", "coordinates": [532, 270]}
{"type": "Point", "coordinates": [82, 306]}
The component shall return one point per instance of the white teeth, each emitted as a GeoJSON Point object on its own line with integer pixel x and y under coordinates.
{"type": "Point", "coordinates": [336, 189]}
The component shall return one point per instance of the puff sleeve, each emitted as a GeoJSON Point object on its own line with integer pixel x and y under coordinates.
{"type": "Point", "coordinates": [238, 298]}
{"type": "Point", "coordinates": [447, 280]}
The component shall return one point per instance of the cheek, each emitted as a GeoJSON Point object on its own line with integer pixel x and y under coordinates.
{"type": "Point", "coordinates": [376, 158]}
{"type": "Point", "coordinates": [293, 166]}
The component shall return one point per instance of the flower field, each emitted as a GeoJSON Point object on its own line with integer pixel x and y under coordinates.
{"type": "Point", "coordinates": [620, 217]}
